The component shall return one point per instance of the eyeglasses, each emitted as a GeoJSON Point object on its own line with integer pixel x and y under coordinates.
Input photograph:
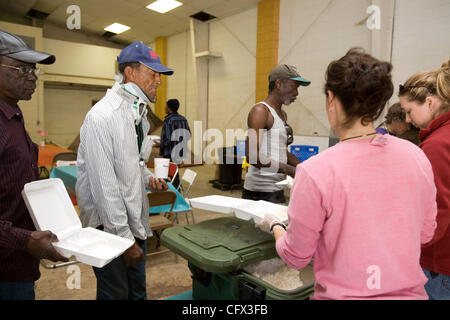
{"type": "Point", "coordinates": [24, 70]}
{"type": "Point", "coordinates": [404, 89]}
{"type": "Point", "coordinates": [289, 133]}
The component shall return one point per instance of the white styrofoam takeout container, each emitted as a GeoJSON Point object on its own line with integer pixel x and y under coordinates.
{"type": "Point", "coordinates": [51, 209]}
{"type": "Point", "coordinates": [216, 203]}
{"type": "Point", "coordinates": [256, 210]}
{"type": "Point", "coordinates": [242, 208]}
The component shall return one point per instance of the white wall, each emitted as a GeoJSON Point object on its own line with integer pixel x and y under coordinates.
{"type": "Point", "coordinates": [65, 109]}
{"type": "Point", "coordinates": [312, 34]}
{"type": "Point", "coordinates": [232, 78]}
{"type": "Point", "coordinates": [421, 37]}
{"type": "Point", "coordinates": [231, 85]}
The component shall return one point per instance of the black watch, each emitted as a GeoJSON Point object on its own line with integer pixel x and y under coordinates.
{"type": "Point", "coordinates": [277, 224]}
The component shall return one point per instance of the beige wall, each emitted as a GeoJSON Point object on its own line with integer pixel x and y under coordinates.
{"type": "Point", "coordinates": [81, 63]}
{"type": "Point", "coordinates": [81, 74]}
{"type": "Point", "coordinates": [66, 108]}
{"type": "Point", "coordinates": [181, 85]}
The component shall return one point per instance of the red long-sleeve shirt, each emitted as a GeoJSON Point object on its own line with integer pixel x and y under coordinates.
{"type": "Point", "coordinates": [18, 166]}
{"type": "Point", "coordinates": [436, 145]}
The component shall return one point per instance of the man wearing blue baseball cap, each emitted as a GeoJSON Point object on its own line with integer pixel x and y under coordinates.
{"type": "Point", "coordinates": [112, 178]}
{"type": "Point", "coordinates": [269, 135]}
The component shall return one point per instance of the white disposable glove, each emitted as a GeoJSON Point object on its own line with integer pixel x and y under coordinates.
{"type": "Point", "coordinates": [267, 223]}
{"type": "Point", "coordinates": [290, 181]}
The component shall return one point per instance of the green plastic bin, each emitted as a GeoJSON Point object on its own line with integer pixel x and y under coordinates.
{"type": "Point", "coordinates": [218, 249]}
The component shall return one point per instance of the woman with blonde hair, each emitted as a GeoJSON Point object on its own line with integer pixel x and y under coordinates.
{"type": "Point", "coordinates": [425, 97]}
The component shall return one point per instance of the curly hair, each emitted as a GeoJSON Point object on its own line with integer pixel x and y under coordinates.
{"type": "Point", "coordinates": [362, 83]}
{"type": "Point", "coordinates": [395, 113]}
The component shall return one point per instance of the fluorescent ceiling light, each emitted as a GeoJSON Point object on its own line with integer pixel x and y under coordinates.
{"type": "Point", "coordinates": [117, 28]}
{"type": "Point", "coordinates": [162, 6]}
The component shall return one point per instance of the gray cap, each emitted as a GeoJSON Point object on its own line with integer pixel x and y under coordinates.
{"type": "Point", "coordinates": [285, 71]}
{"type": "Point", "coordinates": [14, 47]}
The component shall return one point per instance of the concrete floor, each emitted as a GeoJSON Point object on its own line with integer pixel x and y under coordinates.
{"type": "Point", "coordinates": [167, 274]}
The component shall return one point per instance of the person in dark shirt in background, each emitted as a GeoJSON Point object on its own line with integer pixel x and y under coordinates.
{"type": "Point", "coordinates": [172, 122]}
{"type": "Point", "coordinates": [170, 148]}
{"type": "Point", "coordinates": [21, 246]}
{"type": "Point", "coordinates": [395, 124]}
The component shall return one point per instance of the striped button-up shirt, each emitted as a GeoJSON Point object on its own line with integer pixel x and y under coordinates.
{"type": "Point", "coordinates": [18, 166]}
{"type": "Point", "coordinates": [111, 185]}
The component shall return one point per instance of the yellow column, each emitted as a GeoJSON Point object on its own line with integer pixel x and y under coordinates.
{"type": "Point", "coordinates": [161, 94]}
{"type": "Point", "coordinates": [266, 44]}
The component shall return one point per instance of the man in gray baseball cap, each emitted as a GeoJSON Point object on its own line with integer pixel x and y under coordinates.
{"type": "Point", "coordinates": [18, 68]}
{"type": "Point", "coordinates": [269, 135]}
{"type": "Point", "coordinates": [285, 71]}
{"type": "Point", "coordinates": [21, 246]}
{"type": "Point", "coordinates": [14, 47]}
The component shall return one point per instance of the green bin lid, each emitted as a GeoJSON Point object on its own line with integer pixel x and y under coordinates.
{"type": "Point", "coordinates": [220, 245]}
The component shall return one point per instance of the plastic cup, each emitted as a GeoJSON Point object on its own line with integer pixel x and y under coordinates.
{"type": "Point", "coordinates": [162, 168]}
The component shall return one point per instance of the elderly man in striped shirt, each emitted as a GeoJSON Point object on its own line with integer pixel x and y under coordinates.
{"type": "Point", "coordinates": [112, 177]}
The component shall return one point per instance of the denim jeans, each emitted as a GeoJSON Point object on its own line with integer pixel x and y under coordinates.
{"type": "Point", "coordinates": [17, 291]}
{"type": "Point", "coordinates": [438, 286]}
{"type": "Point", "coordinates": [115, 282]}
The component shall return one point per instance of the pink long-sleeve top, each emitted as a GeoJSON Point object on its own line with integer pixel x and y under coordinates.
{"type": "Point", "coordinates": [361, 210]}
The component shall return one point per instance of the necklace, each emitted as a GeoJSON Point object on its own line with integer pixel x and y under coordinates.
{"type": "Point", "coordinates": [363, 135]}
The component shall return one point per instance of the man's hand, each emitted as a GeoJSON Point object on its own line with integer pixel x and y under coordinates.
{"type": "Point", "coordinates": [40, 246]}
{"type": "Point", "coordinates": [133, 256]}
{"type": "Point", "coordinates": [157, 185]}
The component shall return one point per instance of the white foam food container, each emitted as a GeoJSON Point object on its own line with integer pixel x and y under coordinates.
{"type": "Point", "coordinates": [256, 210]}
{"type": "Point", "coordinates": [155, 138]}
{"type": "Point", "coordinates": [216, 203]}
{"type": "Point", "coordinates": [51, 209]}
{"type": "Point", "coordinates": [287, 182]}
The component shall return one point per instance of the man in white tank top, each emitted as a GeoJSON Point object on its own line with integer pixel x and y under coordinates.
{"type": "Point", "coordinates": [269, 135]}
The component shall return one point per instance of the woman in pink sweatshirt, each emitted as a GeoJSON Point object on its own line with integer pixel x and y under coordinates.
{"type": "Point", "coordinates": [363, 207]}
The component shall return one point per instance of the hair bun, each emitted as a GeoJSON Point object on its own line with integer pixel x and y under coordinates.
{"type": "Point", "coordinates": [446, 65]}
{"type": "Point", "coordinates": [362, 83]}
